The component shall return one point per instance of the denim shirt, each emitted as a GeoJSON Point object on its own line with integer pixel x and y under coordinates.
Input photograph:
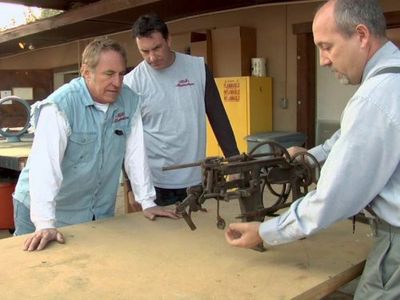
{"type": "Point", "coordinates": [93, 157]}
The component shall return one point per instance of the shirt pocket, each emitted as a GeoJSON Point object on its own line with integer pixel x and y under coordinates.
{"type": "Point", "coordinates": [119, 136]}
{"type": "Point", "coordinates": [81, 147]}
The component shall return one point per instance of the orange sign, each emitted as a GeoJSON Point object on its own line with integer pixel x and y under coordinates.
{"type": "Point", "coordinates": [232, 91]}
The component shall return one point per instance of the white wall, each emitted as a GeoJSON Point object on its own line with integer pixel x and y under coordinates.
{"type": "Point", "coordinates": [333, 96]}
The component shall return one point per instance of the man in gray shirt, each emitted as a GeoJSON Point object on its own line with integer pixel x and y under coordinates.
{"type": "Point", "coordinates": [177, 92]}
{"type": "Point", "coordinates": [361, 161]}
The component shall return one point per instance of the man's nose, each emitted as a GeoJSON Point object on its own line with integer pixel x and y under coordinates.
{"type": "Point", "coordinates": [117, 80]}
{"type": "Point", "coordinates": [324, 60]}
{"type": "Point", "coordinates": [152, 57]}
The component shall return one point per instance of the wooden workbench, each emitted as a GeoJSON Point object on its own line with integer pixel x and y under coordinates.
{"type": "Point", "coordinates": [130, 257]}
{"type": "Point", "coordinates": [13, 156]}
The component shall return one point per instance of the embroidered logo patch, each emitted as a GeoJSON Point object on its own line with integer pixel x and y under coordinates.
{"type": "Point", "coordinates": [120, 116]}
{"type": "Point", "coordinates": [184, 82]}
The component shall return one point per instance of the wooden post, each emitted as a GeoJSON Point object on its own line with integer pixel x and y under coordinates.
{"type": "Point", "coordinates": [131, 205]}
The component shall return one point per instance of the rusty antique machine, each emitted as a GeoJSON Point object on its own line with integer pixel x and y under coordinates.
{"type": "Point", "coordinates": [245, 177]}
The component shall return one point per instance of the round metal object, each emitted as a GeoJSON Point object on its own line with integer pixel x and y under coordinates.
{"type": "Point", "coordinates": [275, 150]}
{"type": "Point", "coordinates": [12, 107]}
{"type": "Point", "coordinates": [281, 191]}
{"type": "Point", "coordinates": [310, 165]}
{"type": "Point", "coordinates": [221, 223]}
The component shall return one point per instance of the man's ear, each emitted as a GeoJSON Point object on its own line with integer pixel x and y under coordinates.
{"type": "Point", "coordinates": [363, 34]}
{"type": "Point", "coordinates": [85, 72]}
{"type": "Point", "coordinates": [169, 42]}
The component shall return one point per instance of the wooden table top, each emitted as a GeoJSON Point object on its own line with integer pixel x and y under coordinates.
{"type": "Point", "coordinates": [130, 257]}
{"type": "Point", "coordinates": [13, 156]}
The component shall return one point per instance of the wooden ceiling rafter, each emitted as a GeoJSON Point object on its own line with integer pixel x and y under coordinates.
{"type": "Point", "coordinates": [107, 17]}
{"type": "Point", "coordinates": [53, 4]}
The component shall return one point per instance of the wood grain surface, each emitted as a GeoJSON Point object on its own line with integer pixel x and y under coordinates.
{"type": "Point", "coordinates": [130, 257]}
{"type": "Point", "coordinates": [13, 156]}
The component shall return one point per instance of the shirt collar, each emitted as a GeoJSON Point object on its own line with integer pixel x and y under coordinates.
{"type": "Point", "coordinates": [387, 56]}
{"type": "Point", "coordinates": [87, 98]}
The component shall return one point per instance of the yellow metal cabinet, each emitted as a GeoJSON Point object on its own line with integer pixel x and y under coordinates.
{"type": "Point", "coordinates": [248, 103]}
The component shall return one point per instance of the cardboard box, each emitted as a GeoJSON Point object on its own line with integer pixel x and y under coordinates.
{"type": "Point", "coordinates": [233, 48]}
{"type": "Point", "coordinates": [202, 46]}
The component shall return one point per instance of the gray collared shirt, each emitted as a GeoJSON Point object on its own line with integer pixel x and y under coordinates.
{"type": "Point", "coordinates": [361, 160]}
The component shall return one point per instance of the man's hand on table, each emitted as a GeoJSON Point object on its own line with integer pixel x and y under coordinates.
{"type": "Point", "coordinates": [158, 211]}
{"type": "Point", "coordinates": [40, 239]}
{"type": "Point", "coordinates": [243, 235]}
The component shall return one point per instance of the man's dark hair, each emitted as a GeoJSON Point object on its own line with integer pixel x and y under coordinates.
{"type": "Point", "coordinates": [147, 24]}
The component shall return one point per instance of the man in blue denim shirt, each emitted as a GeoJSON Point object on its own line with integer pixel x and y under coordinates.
{"type": "Point", "coordinates": [83, 134]}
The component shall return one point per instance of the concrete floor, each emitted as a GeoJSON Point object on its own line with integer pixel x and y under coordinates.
{"type": "Point", "coordinates": [344, 293]}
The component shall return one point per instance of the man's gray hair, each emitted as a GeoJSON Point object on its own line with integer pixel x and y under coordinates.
{"type": "Point", "coordinates": [91, 54]}
{"type": "Point", "coordinates": [350, 13]}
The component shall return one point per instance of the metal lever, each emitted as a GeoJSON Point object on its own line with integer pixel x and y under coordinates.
{"type": "Point", "coordinates": [188, 220]}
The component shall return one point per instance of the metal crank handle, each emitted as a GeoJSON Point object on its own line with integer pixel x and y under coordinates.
{"type": "Point", "coordinates": [188, 220]}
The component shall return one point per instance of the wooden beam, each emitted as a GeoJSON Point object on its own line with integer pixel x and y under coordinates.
{"type": "Point", "coordinates": [306, 90]}
{"type": "Point", "coordinates": [90, 11]}
{"type": "Point", "coordinates": [99, 9]}
{"type": "Point", "coordinates": [392, 19]}
{"type": "Point", "coordinates": [301, 28]}
{"type": "Point", "coordinates": [335, 282]}
{"type": "Point", "coordinates": [53, 4]}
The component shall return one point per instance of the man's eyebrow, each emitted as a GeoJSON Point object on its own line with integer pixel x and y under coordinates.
{"type": "Point", "coordinates": [322, 43]}
{"type": "Point", "coordinates": [154, 48]}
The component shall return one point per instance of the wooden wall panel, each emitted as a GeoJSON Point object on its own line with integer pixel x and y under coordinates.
{"type": "Point", "coordinates": [40, 80]}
